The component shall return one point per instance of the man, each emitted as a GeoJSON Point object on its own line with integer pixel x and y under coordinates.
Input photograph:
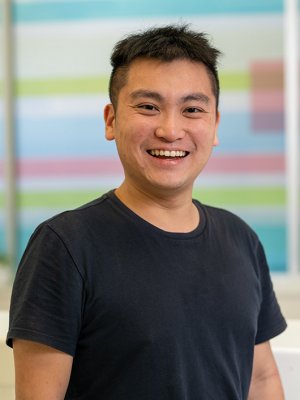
{"type": "Point", "coordinates": [146, 293]}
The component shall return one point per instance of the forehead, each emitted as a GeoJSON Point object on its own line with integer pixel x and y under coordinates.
{"type": "Point", "coordinates": [177, 77]}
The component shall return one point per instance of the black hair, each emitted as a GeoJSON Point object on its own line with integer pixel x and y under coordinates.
{"type": "Point", "coordinates": [165, 43]}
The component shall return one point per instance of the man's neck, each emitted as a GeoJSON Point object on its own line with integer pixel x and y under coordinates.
{"type": "Point", "coordinates": [169, 213]}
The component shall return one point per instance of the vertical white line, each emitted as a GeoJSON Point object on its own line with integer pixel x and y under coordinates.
{"type": "Point", "coordinates": [291, 75]}
{"type": "Point", "coordinates": [9, 157]}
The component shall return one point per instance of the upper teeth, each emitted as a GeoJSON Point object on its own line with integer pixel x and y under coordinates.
{"type": "Point", "coordinates": [168, 153]}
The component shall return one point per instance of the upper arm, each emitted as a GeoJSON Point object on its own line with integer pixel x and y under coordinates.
{"type": "Point", "coordinates": [41, 372]}
{"type": "Point", "coordinates": [265, 381]}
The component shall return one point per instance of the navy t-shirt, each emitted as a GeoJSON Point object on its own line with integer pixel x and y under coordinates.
{"type": "Point", "coordinates": [147, 314]}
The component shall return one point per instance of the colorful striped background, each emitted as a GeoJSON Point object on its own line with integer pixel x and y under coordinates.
{"type": "Point", "coordinates": [37, 11]}
{"type": "Point", "coordinates": [62, 65]}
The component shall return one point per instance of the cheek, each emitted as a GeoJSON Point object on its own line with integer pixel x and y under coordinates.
{"type": "Point", "coordinates": [128, 144]}
{"type": "Point", "coordinates": [133, 135]}
{"type": "Point", "coordinates": [204, 140]}
{"type": "Point", "coordinates": [206, 135]}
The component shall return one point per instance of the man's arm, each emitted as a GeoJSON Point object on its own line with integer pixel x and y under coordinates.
{"type": "Point", "coordinates": [265, 381]}
{"type": "Point", "coordinates": [41, 372]}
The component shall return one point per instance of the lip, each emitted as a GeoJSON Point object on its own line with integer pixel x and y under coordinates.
{"type": "Point", "coordinates": [164, 154]}
{"type": "Point", "coordinates": [166, 162]}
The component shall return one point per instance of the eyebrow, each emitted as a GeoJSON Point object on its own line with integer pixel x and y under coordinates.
{"type": "Point", "coordinates": [197, 96]}
{"type": "Point", "coordinates": [146, 93]}
{"type": "Point", "coordinates": [203, 98]}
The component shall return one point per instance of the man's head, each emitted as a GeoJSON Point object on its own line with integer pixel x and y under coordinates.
{"type": "Point", "coordinates": [166, 44]}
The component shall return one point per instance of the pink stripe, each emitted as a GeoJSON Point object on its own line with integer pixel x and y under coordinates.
{"type": "Point", "coordinates": [70, 167]}
{"type": "Point", "coordinates": [218, 164]}
{"type": "Point", "coordinates": [246, 163]}
{"type": "Point", "coordinates": [267, 100]}
{"type": "Point", "coordinates": [267, 66]}
{"type": "Point", "coordinates": [266, 76]}
{"type": "Point", "coordinates": [268, 122]}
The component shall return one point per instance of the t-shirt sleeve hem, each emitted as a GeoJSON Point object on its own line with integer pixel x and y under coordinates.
{"type": "Point", "coordinates": [40, 338]}
{"type": "Point", "coordinates": [271, 333]}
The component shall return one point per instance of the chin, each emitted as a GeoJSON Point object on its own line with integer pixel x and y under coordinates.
{"type": "Point", "coordinates": [171, 187]}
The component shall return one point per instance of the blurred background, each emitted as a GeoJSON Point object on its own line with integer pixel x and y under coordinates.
{"type": "Point", "coordinates": [53, 85]}
{"type": "Point", "coordinates": [54, 70]}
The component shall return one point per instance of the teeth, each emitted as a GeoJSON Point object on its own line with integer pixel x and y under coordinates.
{"type": "Point", "coordinates": [167, 153]}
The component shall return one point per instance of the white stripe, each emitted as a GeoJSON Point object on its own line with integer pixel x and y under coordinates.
{"type": "Point", "coordinates": [292, 130]}
{"type": "Point", "coordinates": [61, 106]}
{"type": "Point", "coordinates": [83, 47]}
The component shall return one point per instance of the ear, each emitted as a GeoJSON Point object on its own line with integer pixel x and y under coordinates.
{"type": "Point", "coordinates": [109, 119]}
{"type": "Point", "coordinates": [216, 138]}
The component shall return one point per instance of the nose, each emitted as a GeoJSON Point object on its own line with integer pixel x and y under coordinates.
{"type": "Point", "coordinates": [170, 129]}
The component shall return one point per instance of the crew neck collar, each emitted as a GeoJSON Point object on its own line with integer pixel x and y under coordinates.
{"type": "Point", "coordinates": [147, 225]}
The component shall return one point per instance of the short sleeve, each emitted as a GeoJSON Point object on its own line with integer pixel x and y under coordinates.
{"type": "Point", "coordinates": [271, 321]}
{"type": "Point", "coordinates": [48, 294]}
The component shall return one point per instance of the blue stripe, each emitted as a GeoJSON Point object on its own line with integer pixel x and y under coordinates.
{"type": "Point", "coordinates": [1, 140]}
{"type": "Point", "coordinates": [3, 244]}
{"type": "Point", "coordinates": [236, 135]}
{"type": "Point", "coordinates": [79, 136]}
{"type": "Point", "coordinates": [84, 136]}
{"type": "Point", "coordinates": [273, 238]}
{"type": "Point", "coordinates": [62, 137]}
{"type": "Point", "coordinates": [87, 9]}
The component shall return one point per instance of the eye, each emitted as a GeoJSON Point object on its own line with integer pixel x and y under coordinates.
{"type": "Point", "coordinates": [193, 112]}
{"type": "Point", "coordinates": [147, 108]}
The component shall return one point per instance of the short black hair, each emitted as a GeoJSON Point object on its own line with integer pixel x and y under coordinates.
{"type": "Point", "coordinates": [166, 43]}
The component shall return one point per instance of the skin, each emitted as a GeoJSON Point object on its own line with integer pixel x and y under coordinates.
{"type": "Point", "coordinates": [265, 382]}
{"type": "Point", "coordinates": [163, 106]}
{"type": "Point", "coordinates": [41, 372]}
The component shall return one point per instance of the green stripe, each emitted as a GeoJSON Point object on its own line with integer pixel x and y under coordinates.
{"type": "Point", "coordinates": [239, 81]}
{"type": "Point", "coordinates": [248, 196]}
{"type": "Point", "coordinates": [57, 199]}
{"type": "Point", "coordinates": [65, 86]}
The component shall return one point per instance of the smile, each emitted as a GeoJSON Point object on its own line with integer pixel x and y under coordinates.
{"type": "Point", "coordinates": [168, 153]}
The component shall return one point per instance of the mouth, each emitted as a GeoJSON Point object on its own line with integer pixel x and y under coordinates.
{"type": "Point", "coordinates": [158, 153]}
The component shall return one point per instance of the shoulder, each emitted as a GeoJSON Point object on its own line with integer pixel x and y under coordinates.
{"type": "Point", "coordinates": [223, 217]}
{"type": "Point", "coordinates": [232, 236]}
{"type": "Point", "coordinates": [226, 224]}
{"type": "Point", "coordinates": [84, 216]}
{"type": "Point", "coordinates": [73, 228]}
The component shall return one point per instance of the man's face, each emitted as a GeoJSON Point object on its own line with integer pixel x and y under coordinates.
{"type": "Point", "coordinates": [165, 124]}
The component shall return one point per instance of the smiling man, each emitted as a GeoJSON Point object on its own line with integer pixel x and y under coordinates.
{"type": "Point", "coordinates": [165, 126]}
{"type": "Point", "coordinates": [146, 293]}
